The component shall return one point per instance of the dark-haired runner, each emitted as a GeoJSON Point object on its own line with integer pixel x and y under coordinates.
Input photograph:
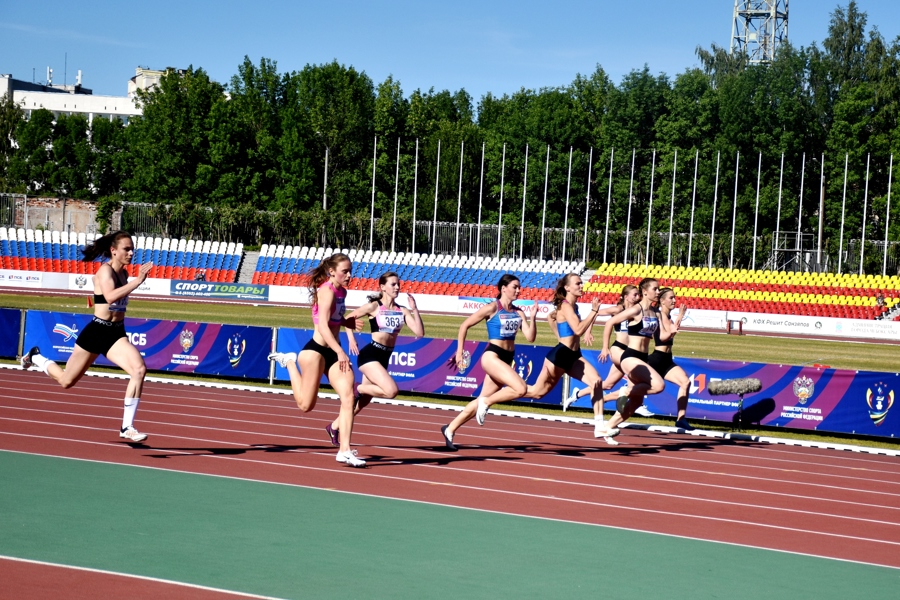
{"type": "Point", "coordinates": [386, 319]}
{"type": "Point", "coordinates": [105, 334]}
{"type": "Point", "coordinates": [661, 357]}
{"type": "Point", "coordinates": [501, 382]}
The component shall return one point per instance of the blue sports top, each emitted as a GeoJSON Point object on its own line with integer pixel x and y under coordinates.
{"type": "Point", "coordinates": [504, 324]}
{"type": "Point", "coordinates": [563, 327]}
{"type": "Point", "coordinates": [646, 327]}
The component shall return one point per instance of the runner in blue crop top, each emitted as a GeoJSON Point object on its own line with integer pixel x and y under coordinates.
{"type": "Point", "coordinates": [630, 295]}
{"type": "Point", "coordinates": [386, 319]}
{"type": "Point", "coordinates": [501, 382]}
{"type": "Point", "coordinates": [105, 333]}
{"type": "Point", "coordinates": [323, 354]}
{"type": "Point", "coordinates": [565, 357]}
{"type": "Point", "coordinates": [643, 322]}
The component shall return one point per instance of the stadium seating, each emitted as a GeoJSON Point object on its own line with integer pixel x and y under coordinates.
{"type": "Point", "coordinates": [771, 292]}
{"type": "Point", "coordinates": [420, 273]}
{"type": "Point", "coordinates": [60, 252]}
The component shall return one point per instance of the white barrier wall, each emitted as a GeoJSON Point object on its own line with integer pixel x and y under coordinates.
{"type": "Point", "coordinates": [713, 320]}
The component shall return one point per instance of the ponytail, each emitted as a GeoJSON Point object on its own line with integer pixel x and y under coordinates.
{"type": "Point", "coordinates": [319, 275]}
{"type": "Point", "coordinates": [559, 294]}
{"type": "Point", "coordinates": [103, 246]}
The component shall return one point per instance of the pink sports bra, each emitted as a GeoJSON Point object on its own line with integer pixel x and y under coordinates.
{"type": "Point", "coordinates": [337, 309]}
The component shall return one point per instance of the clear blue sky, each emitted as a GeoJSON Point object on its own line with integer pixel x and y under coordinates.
{"type": "Point", "coordinates": [482, 46]}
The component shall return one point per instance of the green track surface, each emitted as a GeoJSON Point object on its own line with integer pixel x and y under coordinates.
{"type": "Point", "coordinates": [294, 542]}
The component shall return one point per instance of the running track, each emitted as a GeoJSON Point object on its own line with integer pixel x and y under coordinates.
{"type": "Point", "coordinates": [809, 501]}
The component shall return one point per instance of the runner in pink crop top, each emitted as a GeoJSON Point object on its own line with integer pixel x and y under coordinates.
{"type": "Point", "coordinates": [336, 318]}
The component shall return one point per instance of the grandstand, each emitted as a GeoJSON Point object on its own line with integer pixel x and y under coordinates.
{"type": "Point", "coordinates": [420, 273]}
{"type": "Point", "coordinates": [60, 252]}
{"type": "Point", "coordinates": [771, 292]}
{"type": "Point", "coordinates": [736, 290]}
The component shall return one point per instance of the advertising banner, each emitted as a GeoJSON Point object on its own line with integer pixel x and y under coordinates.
{"type": "Point", "coordinates": [855, 402]}
{"type": "Point", "coordinates": [14, 278]}
{"type": "Point", "coordinates": [10, 318]}
{"type": "Point", "coordinates": [205, 348]}
{"type": "Point", "coordinates": [423, 364]}
{"type": "Point", "coordinates": [220, 291]}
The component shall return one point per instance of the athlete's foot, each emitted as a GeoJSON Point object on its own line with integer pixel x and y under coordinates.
{"type": "Point", "coordinates": [567, 402]}
{"type": "Point", "coordinates": [448, 438]}
{"type": "Point", "coordinates": [603, 430]}
{"type": "Point", "coordinates": [481, 413]}
{"type": "Point", "coordinates": [131, 434]}
{"type": "Point", "coordinates": [349, 458]}
{"type": "Point", "coordinates": [643, 411]}
{"type": "Point", "coordinates": [682, 423]}
{"type": "Point", "coordinates": [26, 361]}
{"type": "Point", "coordinates": [334, 434]}
{"type": "Point", "coordinates": [283, 358]}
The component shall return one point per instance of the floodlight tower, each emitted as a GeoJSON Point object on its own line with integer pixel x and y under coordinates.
{"type": "Point", "coordinates": [759, 28]}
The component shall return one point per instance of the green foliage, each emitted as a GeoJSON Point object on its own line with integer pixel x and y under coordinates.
{"type": "Point", "coordinates": [246, 160]}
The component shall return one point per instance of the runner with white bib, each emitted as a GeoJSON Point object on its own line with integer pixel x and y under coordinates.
{"type": "Point", "coordinates": [386, 319]}
{"type": "Point", "coordinates": [501, 382]}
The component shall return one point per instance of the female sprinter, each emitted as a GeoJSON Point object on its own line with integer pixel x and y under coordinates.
{"type": "Point", "coordinates": [105, 334]}
{"type": "Point", "coordinates": [386, 318]}
{"type": "Point", "coordinates": [566, 357]}
{"type": "Point", "coordinates": [323, 353]}
{"type": "Point", "coordinates": [631, 294]}
{"type": "Point", "coordinates": [661, 357]}
{"type": "Point", "coordinates": [501, 382]}
{"type": "Point", "coordinates": [643, 321]}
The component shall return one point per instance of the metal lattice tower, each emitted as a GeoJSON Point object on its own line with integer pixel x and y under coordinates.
{"type": "Point", "coordinates": [760, 27]}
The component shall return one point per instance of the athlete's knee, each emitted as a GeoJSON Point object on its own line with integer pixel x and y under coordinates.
{"type": "Point", "coordinates": [139, 372]}
{"type": "Point", "coordinates": [519, 388]}
{"type": "Point", "coordinates": [391, 390]}
{"type": "Point", "coordinates": [67, 383]}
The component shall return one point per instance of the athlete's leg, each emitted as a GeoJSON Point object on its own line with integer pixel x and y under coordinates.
{"type": "Point", "coordinates": [306, 387]}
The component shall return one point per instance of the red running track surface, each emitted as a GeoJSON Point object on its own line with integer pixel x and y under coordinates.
{"type": "Point", "coordinates": [811, 501]}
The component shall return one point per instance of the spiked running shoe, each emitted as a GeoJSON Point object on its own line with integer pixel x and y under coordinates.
{"type": "Point", "coordinates": [682, 423]}
{"type": "Point", "coordinates": [334, 434]}
{"type": "Point", "coordinates": [283, 358]}
{"type": "Point", "coordinates": [25, 361]}
{"type": "Point", "coordinates": [448, 438]}
{"type": "Point", "coordinates": [567, 402]}
{"type": "Point", "coordinates": [481, 413]}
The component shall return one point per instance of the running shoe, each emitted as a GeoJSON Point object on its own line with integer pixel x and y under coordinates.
{"type": "Point", "coordinates": [682, 423]}
{"type": "Point", "coordinates": [448, 438]}
{"type": "Point", "coordinates": [350, 458]}
{"type": "Point", "coordinates": [643, 411]}
{"type": "Point", "coordinates": [567, 402]}
{"type": "Point", "coordinates": [481, 413]}
{"type": "Point", "coordinates": [601, 431]}
{"type": "Point", "coordinates": [334, 434]}
{"type": "Point", "coordinates": [283, 358]}
{"type": "Point", "coordinates": [131, 434]}
{"type": "Point", "coordinates": [25, 361]}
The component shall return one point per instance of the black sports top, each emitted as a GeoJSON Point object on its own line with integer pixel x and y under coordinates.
{"type": "Point", "coordinates": [119, 305]}
{"type": "Point", "coordinates": [646, 327]}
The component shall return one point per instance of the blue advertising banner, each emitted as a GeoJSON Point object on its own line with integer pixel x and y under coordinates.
{"type": "Point", "coordinates": [10, 318]}
{"type": "Point", "coordinates": [422, 364]}
{"type": "Point", "coordinates": [226, 291]}
{"type": "Point", "coordinates": [205, 348]}
{"type": "Point", "coordinates": [855, 402]}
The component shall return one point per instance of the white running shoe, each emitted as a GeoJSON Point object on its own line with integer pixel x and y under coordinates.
{"type": "Point", "coordinates": [601, 431]}
{"type": "Point", "coordinates": [567, 402]}
{"type": "Point", "coordinates": [643, 411]}
{"type": "Point", "coordinates": [481, 413]}
{"type": "Point", "coordinates": [283, 358]}
{"type": "Point", "coordinates": [350, 458]}
{"type": "Point", "coordinates": [133, 435]}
